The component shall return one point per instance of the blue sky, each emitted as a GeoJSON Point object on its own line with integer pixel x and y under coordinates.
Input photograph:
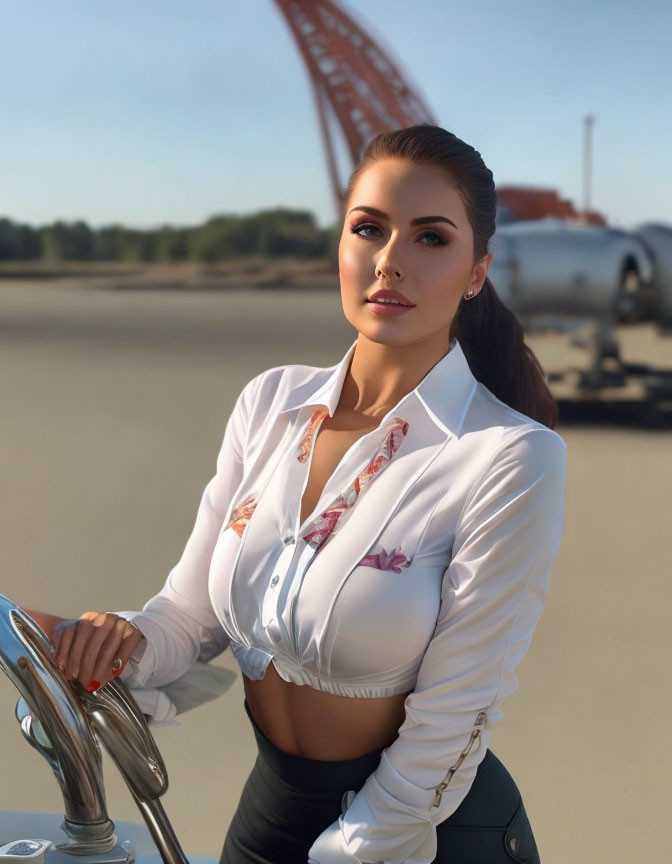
{"type": "Point", "coordinates": [171, 111]}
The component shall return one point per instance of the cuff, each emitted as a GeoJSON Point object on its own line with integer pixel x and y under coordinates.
{"type": "Point", "coordinates": [143, 661]}
{"type": "Point", "coordinates": [201, 684]}
{"type": "Point", "coordinates": [156, 706]}
{"type": "Point", "coordinates": [388, 820]}
{"type": "Point", "coordinates": [330, 847]}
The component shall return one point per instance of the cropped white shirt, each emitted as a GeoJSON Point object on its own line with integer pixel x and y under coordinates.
{"type": "Point", "coordinates": [424, 567]}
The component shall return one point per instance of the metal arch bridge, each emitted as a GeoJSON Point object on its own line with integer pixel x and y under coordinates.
{"type": "Point", "coordinates": [355, 82]}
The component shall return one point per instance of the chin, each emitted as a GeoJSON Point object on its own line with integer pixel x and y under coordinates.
{"type": "Point", "coordinates": [384, 335]}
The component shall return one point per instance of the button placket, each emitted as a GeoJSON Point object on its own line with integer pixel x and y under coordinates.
{"type": "Point", "coordinates": [272, 596]}
{"type": "Point", "coordinates": [303, 563]}
{"type": "Point", "coordinates": [280, 589]}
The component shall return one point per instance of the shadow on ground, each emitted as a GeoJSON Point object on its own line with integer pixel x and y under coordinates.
{"type": "Point", "coordinates": [631, 414]}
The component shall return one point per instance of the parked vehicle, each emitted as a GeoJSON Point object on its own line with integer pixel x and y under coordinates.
{"type": "Point", "coordinates": [587, 279]}
{"type": "Point", "coordinates": [548, 266]}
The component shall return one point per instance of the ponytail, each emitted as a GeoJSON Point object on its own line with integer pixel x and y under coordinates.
{"type": "Point", "coordinates": [492, 339]}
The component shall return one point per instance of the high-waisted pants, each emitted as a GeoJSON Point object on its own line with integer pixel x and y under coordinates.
{"type": "Point", "coordinates": [287, 802]}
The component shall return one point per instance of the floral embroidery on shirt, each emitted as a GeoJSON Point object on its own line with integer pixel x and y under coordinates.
{"type": "Point", "coordinates": [242, 515]}
{"type": "Point", "coordinates": [307, 440]}
{"type": "Point", "coordinates": [324, 525]}
{"type": "Point", "coordinates": [383, 560]}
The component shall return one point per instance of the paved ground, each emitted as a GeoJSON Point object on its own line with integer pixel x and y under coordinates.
{"type": "Point", "coordinates": [113, 407]}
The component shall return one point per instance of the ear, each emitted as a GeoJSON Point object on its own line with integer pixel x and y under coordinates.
{"type": "Point", "coordinates": [479, 273]}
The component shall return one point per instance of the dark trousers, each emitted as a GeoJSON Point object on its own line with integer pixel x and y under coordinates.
{"type": "Point", "coordinates": [287, 802]}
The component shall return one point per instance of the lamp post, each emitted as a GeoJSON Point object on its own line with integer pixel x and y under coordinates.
{"type": "Point", "coordinates": [588, 121]}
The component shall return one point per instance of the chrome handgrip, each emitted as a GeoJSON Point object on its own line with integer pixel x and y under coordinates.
{"type": "Point", "coordinates": [64, 722]}
{"type": "Point", "coordinates": [27, 658]}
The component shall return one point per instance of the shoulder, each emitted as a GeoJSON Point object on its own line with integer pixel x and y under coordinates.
{"type": "Point", "coordinates": [271, 389]}
{"type": "Point", "coordinates": [489, 420]}
{"type": "Point", "coordinates": [508, 449]}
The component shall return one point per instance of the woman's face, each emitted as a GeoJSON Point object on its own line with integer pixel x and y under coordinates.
{"type": "Point", "coordinates": [406, 228]}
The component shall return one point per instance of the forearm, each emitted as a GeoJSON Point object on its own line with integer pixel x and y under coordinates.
{"type": "Point", "coordinates": [46, 621]}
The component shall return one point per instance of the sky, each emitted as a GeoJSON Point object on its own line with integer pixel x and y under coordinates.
{"type": "Point", "coordinates": [170, 111]}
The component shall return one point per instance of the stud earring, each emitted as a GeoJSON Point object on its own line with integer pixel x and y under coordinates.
{"type": "Point", "coordinates": [469, 295]}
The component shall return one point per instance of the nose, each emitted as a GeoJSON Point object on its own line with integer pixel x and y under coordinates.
{"type": "Point", "coordinates": [388, 266]}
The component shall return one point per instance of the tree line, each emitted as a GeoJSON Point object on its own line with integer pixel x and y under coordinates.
{"type": "Point", "coordinates": [268, 233]}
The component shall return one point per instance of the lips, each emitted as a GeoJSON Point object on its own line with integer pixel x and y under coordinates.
{"type": "Point", "coordinates": [390, 294]}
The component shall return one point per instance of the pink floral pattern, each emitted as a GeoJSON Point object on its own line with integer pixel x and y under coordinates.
{"type": "Point", "coordinates": [242, 515]}
{"type": "Point", "coordinates": [307, 440]}
{"type": "Point", "coordinates": [394, 561]}
{"type": "Point", "coordinates": [326, 524]}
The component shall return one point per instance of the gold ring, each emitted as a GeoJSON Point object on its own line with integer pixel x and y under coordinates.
{"type": "Point", "coordinates": [117, 664]}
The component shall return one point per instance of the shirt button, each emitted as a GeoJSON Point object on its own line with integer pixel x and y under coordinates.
{"type": "Point", "coordinates": [274, 581]}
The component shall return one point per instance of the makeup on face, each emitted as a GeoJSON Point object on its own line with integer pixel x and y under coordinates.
{"type": "Point", "coordinates": [405, 229]}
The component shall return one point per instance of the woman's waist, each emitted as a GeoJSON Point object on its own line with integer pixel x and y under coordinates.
{"type": "Point", "coordinates": [314, 724]}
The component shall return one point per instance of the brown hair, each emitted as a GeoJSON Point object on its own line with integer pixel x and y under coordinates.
{"type": "Point", "coordinates": [489, 333]}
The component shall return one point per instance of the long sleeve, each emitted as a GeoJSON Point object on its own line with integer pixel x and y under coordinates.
{"type": "Point", "coordinates": [493, 594]}
{"type": "Point", "coordinates": [179, 623]}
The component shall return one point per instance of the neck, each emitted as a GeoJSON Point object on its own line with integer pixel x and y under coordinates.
{"type": "Point", "coordinates": [380, 375]}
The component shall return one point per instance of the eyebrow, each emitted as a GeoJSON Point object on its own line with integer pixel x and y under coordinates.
{"type": "Point", "coordinates": [421, 220]}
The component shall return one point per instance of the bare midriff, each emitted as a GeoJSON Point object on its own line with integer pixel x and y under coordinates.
{"type": "Point", "coordinates": [306, 722]}
{"type": "Point", "coordinates": [298, 718]}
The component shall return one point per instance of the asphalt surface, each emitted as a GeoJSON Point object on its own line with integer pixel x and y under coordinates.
{"type": "Point", "coordinates": [113, 404]}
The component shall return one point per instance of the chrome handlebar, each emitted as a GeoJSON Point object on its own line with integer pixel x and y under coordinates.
{"type": "Point", "coordinates": [64, 722]}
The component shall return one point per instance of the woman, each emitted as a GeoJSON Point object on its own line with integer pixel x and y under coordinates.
{"type": "Point", "coordinates": [375, 546]}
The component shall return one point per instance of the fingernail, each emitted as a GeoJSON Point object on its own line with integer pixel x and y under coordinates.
{"type": "Point", "coordinates": [93, 685]}
{"type": "Point", "coordinates": [116, 672]}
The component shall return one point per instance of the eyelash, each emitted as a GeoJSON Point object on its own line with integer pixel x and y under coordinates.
{"type": "Point", "coordinates": [355, 229]}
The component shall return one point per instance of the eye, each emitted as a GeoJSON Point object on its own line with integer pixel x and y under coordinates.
{"type": "Point", "coordinates": [362, 227]}
{"type": "Point", "coordinates": [434, 239]}
{"type": "Point", "coordinates": [428, 238]}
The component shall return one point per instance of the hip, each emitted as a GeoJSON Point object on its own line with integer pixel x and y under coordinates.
{"type": "Point", "coordinates": [287, 801]}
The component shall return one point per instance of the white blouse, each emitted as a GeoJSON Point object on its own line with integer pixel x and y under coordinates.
{"type": "Point", "coordinates": [424, 567]}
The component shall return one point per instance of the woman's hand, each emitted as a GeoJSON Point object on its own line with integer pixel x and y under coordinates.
{"type": "Point", "coordinates": [87, 647]}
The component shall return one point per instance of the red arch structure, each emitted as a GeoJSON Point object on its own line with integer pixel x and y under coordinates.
{"type": "Point", "coordinates": [356, 82]}
{"type": "Point", "coordinates": [353, 77]}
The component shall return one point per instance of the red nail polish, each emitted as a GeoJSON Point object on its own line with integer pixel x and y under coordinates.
{"type": "Point", "coordinates": [116, 672]}
{"type": "Point", "coordinates": [93, 685]}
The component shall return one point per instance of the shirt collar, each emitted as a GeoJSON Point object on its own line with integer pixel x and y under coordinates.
{"type": "Point", "coordinates": [445, 392]}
